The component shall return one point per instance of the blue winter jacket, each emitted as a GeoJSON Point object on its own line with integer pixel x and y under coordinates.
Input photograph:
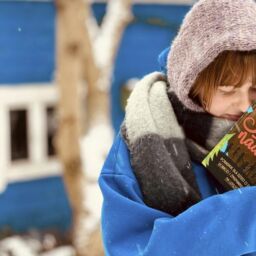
{"type": "Point", "coordinates": [219, 225]}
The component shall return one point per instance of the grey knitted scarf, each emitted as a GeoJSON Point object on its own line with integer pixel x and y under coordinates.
{"type": "Point", "coordinates": [163, 138]}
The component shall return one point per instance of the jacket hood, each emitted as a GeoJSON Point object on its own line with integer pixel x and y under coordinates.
{"type": "Point", "coordinates": [209, 28]}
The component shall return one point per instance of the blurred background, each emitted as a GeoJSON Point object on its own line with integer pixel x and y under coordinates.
{"type": "Point", "coordinates": [67, 68]}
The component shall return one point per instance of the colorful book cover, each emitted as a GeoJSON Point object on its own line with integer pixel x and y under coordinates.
{"type": "Point", "coordinates": [233, 160]}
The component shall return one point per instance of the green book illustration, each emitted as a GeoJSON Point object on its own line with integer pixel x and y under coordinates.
{"type": "Point", "coordinates": [233, 160]}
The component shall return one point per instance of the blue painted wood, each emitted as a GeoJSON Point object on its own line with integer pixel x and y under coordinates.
{"type": "Point", "coordinates": [27, 54]}
{"type": "Point", "coordinates": [27, 42]}
{"type": "Point", "coordinates": [153, 29]}
{"type": "Point", "coordinates": [35, 204]}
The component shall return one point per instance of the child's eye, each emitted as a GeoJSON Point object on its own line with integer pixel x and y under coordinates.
{"type": "Point", "coordinates": [227, 92]}
{"type": "Point", "coordinates": [227, 89]}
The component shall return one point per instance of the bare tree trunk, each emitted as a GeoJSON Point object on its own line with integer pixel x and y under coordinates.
{"type": "Point", "coordinates": [98, 73]}
{"type": "Point", "coordinates": [100, 61]}
{"type": "Point", "coordinates": [70, 33]}
{"type": "Point", "coordinates": [95, 246]}
{"type": "Point", "coordinates": [77, 62]}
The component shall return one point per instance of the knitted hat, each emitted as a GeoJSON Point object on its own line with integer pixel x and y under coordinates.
{"type": "Point", "coordinates": [210, 27]}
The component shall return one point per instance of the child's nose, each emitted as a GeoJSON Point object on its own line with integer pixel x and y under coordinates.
{"type": "Point", "coordinates": [244, 102]}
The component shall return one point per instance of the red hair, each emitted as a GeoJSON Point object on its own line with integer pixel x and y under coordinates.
{"type": "Point", "coordinates": [229, 68]}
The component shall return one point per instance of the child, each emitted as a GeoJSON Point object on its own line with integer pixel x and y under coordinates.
{"type": "Point", "coordinates": [158, 198]}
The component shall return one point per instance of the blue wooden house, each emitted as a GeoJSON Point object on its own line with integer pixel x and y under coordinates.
{"type": "Point", "coordinates": [33, 194]}
{"type": "Point", "coordinates": [32, 190]}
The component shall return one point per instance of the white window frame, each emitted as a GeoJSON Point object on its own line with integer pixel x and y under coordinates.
{"type": "Point", "coordinates": [35, 98]}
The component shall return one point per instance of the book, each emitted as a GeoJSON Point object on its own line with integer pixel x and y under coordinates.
{"type": "Point", "coordinates": [233, 160]}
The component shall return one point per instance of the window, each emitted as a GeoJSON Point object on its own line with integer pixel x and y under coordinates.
{"type": "Point", "coordinates": [19, 134]}
{"type": "Point", "coordinates": [51, 130]}
{"type": "Point", "coordinates": [27, 130]}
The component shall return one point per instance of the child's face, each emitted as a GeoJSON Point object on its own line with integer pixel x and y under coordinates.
{"type": "Point", "coordinates": [230, 103]}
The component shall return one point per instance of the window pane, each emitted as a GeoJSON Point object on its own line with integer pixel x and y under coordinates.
{"type": "Point", "coordinates": [51, 130]}
{"type": "Point", "coordinates": [19, 134]}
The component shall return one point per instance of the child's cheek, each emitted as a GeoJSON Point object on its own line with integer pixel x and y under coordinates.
{"type": "Point", "coordinates": [219, 105]}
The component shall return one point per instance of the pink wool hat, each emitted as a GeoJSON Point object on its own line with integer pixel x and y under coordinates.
{"type": "Point", "coordinates": [209, 28]}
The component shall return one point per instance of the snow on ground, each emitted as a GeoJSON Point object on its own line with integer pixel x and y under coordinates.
{"type": "Point", "coordinates": [31, 246]}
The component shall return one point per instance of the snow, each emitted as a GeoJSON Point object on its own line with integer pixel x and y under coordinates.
{"type": "Point", "coordinates": [106, 38]}
{"type": "Point", "coordinates": [17, 246]}
{"type": "Point", "coordinates": [94, 149]}
{"type": "Point", "coordinates": [31, 246]}
{"type": "Point", "coordinates": [240, 191]}
{"type": "Point", "coordinates": [175, 149]}
{"type": "Point", "coordinates": [62, 251]}
{"type": "Point", "coordinates": [117, 12]}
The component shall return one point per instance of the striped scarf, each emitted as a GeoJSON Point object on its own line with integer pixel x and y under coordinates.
{"type": "Point", "coordinates": [163, 138]}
